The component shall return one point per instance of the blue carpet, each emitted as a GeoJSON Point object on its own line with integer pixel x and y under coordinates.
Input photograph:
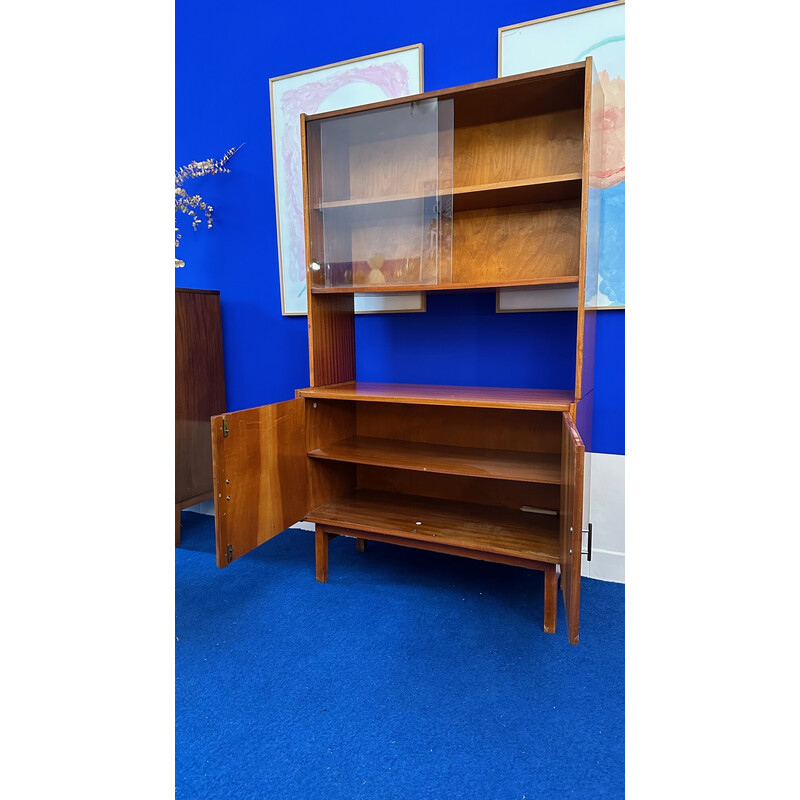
{"type": "Point", "coordinates": [409, 675]}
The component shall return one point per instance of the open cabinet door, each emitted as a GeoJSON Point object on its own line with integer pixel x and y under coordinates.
{"type": "Point", "coordinates": [260, 475]}
{"type": "Point", "coordinates": [571, 521]}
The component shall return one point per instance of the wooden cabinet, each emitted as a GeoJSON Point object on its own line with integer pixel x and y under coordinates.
{"type": "Point", "coordinates": [199, 394]}
{"type": "Point", "coordinates": [484, 186]}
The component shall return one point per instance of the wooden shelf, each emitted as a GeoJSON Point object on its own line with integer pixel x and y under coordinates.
{"type": "Point", "coordinates": [465, 525]}
{"type": "Point", "coordinates": [328, 205]}
{"type": "Point", "coordinates": [489, 195]}
{"type": "Point", "coordinates": [516, 193]}
{"type": "Point", "coordinates": [476, 396]}
{"type": "Point", "coordinates": [445, 459]}
{"type": "Point", "coordinates": [386, 288]}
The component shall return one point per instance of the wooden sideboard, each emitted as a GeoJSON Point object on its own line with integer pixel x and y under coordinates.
{"type": "Point", "coordinates": [199, 394]}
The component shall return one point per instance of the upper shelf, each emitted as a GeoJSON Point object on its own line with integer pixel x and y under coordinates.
{"type": "Point", "coordinates": [490, 195]}
{"type": "Point", "coordinates": [425, 394]}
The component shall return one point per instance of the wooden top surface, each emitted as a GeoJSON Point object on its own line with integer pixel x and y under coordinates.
{"type": "Point", "coordinates": [508, 80]}
{"type": "Point", "coordinates": [468, 525]}
{"type": "Point", "coordinates": [426, 394]}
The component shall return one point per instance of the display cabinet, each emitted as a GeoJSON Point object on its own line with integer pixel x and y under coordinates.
{"type": "Point", "coordinates": [480, 187]}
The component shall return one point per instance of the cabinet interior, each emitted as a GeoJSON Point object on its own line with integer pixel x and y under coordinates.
{"type": "Point", "coordinates": [385, 463]}
{"type": "Point", "coordinates": [464, 189]}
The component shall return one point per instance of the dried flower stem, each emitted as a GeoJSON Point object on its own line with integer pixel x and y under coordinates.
{"type": "Point", "coordinates": [189, 204]}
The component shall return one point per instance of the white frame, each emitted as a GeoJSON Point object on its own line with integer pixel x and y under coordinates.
{"type": "Point", "coordinates": [535, 299]}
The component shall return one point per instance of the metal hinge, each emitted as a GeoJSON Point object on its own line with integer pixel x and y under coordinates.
{"type": "Point", "coordinates": [230, 553]}
{"type": "Point", "coordinates": [224, 427]}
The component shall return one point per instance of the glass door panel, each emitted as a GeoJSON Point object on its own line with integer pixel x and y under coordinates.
{"type": "Point", "coordinates": [378, 198]}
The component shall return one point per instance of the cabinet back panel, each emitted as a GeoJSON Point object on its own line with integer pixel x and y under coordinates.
{"type": "Point", "coordinates": [507, 494]}
{"type": "Point", "coordinates": [516, 149]}
{"type": "Point", "coordinates": [526, 431]}
{"type": "Point", "coordinates": [391, 167]}
{"type": "Point", "coordinates": [499, 245]}
{"type": "Point", "coordinates": [397, 246]}
{"type": "Point", "coordinates": [535, 96]}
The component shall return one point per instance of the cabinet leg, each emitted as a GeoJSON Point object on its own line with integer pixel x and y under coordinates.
{"type": "Point", "coordinates": [361, 545]}
{"type": "Point", "coordinates": [550, 598]}
{"type": "Point", "coordinates": [322, 540]}
{"type": "Point", "coordinates": [177, 525]}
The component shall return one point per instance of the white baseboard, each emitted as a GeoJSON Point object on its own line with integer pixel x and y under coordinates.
{"type": "Point", "coordinates": [604, 507]}
{"type": "Point", "coordinates": [604, 566]}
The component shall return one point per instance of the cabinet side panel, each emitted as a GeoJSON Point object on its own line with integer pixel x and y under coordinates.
{"type": "Point", "coordinates": [583, 419]}
{"type": "Point", "coordinates": [331, 318]}
{"type": "Point", "coordinates": [328, 422]}
{"type": "Point", "coordinates": [199, 388]}
{"type": "Point", "coordinates": [590, 231]}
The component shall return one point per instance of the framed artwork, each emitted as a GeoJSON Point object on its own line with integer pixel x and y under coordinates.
{"type": "Point", "coordinates": [599, 32]}
{"type": "Point", "coordinates": [369, 79]}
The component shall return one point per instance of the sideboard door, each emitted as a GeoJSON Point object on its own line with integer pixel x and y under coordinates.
{"type": "Point", "coordinates": [571, 520]}
{"type": "Point", "coordinates": [260, 475]}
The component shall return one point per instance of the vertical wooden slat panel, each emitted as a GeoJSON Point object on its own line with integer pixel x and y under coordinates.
{"type": "Point", "coordinates": [199, 388]}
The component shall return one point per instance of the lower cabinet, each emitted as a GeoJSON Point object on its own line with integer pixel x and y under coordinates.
{"type": "Point", "coordinates": [437, 468]}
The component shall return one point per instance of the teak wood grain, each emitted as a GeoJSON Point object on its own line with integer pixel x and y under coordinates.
{"type": "Point", "coordinates": [331, 319]}
{"type": "Point", "coordinates": [474, 396]}
{"type": "Point", "coordinates": [325, 422]}
{"type": "Point", "coordinates": [552, 89]}
{"type": "Point", "coordinates": [502, 246]}
{"type": "Point", "coordinates": [445, 468]}
{"type": "Point", "coordinates": [458, 488]}
{"type": "Point", "coordinates": [462, 426]}
{"type": "Point", "coordinates": [570, 524]}
{"type": "Point", "coordinates": [468, 461]}
{"type": "Point", "coordinates": [260, 475]}
{"type": "Point", "coordinates": [514, 149]}
{"type": "Point", "coordinates": [550, 188]}
{"type": "Point", "coordinates": [529, 281]}
{"type": "Point", "coordinates": [467, 525]}
{"type": "Point", "coordinates": [199, 393]}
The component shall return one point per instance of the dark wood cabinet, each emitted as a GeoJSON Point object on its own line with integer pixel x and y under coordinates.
{"type": "Point", "coordinates": [199, 394]}
{"type": "Point", "coordinates": [481, 187]}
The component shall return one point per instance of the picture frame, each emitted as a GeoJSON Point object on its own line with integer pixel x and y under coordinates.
{"type": "Point", "coordinates": [367, 79]}
{"type": "Point", "coordinates": [566, 38]}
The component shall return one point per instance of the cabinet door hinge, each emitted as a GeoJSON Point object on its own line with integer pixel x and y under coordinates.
{"type": "Point", "coordinates": [224, 427]}
{"type": "Point", "coordinates": [230, 553]}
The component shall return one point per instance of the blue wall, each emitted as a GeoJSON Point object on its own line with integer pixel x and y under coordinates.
{"type": "Point", "coordinates": [225, 55]}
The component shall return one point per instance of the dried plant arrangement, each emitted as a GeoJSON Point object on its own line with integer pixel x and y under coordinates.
{"type": "Point", "coordinates": [190, 204]}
